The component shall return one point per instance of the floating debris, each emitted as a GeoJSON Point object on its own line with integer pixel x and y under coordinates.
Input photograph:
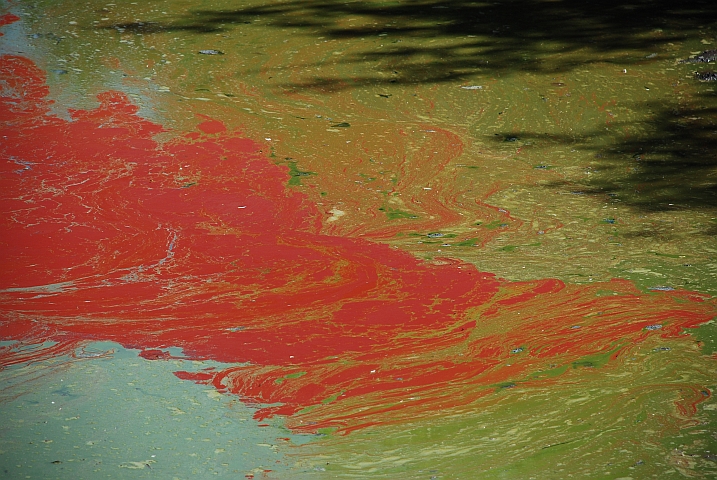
{"type": "Point", "coordinates": [706, 76]}
{"type": "Point", "coordinates": [211, 52]}
{"type": "Point", "coordinates": [341, 125]}
{"type": "Point", "coordinates": [653, 327]}
{"type": "Point", "coordinates": [708, 56]}
{"type": "Point", "coordinates": [661, 289]}
{"type": "Point", "coordinates": [473, 87]}
{"type": "Point", "coordinates": [435, 235]}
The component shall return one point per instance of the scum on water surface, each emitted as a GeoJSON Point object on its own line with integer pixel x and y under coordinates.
{"type": "Point", "coordinates": [534, 140]}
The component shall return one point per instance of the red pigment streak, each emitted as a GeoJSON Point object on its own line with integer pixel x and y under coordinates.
{"type": "Point", "coordinates": [7, 19]}
{"type": "Point", "coordinates": [197, 243]}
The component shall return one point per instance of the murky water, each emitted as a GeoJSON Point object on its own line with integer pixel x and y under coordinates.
{"type": "Point", "coordinates": [358, 239]}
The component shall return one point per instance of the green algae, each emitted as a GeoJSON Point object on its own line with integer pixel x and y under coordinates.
{"type": "Point", "coordinates": [397, 214]}
{"type": "Point", "coordinates": [332, 398]}
{"type": "Point", "coordinates": [579, 118]}
{"type": "Point", "coordinates": [529, 431]}
{"type": "Point", "coordinates": [471, 242]}
{"type": "Point", "coordinates": [295, 175]}
{"type": "Point", "coordinates": [583, 163]}
{"type": "Point", "coordinates": [281, 380]}
{"type": "Point", "coordinates": [494, 224]}
{"type": "Point", "coordinates": [706, 335]}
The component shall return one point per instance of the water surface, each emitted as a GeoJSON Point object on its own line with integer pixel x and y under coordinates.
{"type": "Point", "coordinates": [429, 239]}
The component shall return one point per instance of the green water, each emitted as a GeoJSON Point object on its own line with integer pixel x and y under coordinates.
{"type": "Point", "coordinates": [577, 121]}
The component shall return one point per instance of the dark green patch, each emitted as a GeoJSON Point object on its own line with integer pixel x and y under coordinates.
{"type": "Point", "coordinates": [471, 242]}
{"type": "Point", "coordinates": [595, 361]}
{"type": "Point", "coordinates": [332, 398]}
{"type": "Point", "coordinates": [394, 213]}
{"type": "Point", "coordinates": [494, 224]}
{"type": "Point", "coordinates": [583, 364]}
{"type": "Point", "coordinates": [295, 174]}
{"type": "Point", "coordinates": [281, 380]}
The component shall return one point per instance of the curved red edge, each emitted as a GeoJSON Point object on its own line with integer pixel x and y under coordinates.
{"type": "Point", "coordinates": [197, 243]}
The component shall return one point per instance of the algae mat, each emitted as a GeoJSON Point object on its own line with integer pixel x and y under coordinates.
{"type": "Point", "coordinates": [358, 239]}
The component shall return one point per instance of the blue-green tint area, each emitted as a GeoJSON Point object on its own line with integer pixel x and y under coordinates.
{"type": "Point", "coordinates": [108, 413]}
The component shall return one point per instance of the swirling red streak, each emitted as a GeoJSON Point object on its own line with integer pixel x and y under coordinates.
{"type": "Point", "coordinates": [197, 243]}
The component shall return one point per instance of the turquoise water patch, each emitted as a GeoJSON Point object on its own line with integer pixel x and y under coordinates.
{"type": "Point", "coordinates": [112, 414]}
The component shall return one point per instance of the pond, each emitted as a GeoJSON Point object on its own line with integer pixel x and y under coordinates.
{"type": "Point", "coordinates": [339, 239]}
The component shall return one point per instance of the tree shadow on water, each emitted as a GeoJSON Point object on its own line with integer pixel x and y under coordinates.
{"type": "Point", "coordinates": [433, 41]}
{"type": "Point", "coordinates": [672, 166]}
